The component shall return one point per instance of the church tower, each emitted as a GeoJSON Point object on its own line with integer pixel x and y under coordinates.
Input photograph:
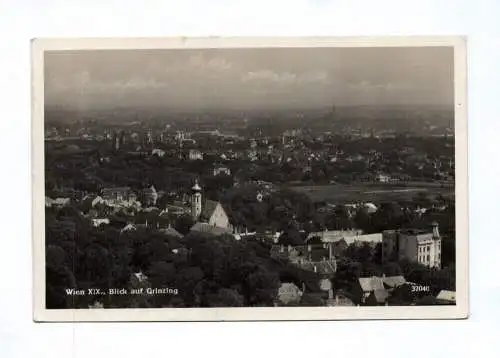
{"type": "Point", "coordinates": [196, 201]}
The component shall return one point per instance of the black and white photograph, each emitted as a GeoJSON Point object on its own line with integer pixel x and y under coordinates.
{"type": "Point", "coordinates": [249, 179]}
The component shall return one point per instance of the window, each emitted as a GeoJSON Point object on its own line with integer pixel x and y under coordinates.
{"type": "Point", "coordinates": [428, 258]}
{"type": "Point", "coordinates": [428, 248]}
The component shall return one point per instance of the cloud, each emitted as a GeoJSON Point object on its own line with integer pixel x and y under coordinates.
{"type": "Point", "coordinates": [213, 64]}
{"type": "Point", "coordinates": [366, 86]}
{"type": "Point", "coordinates": [286, 78]}
{"type": "Point", "coordinates": [83, 82]}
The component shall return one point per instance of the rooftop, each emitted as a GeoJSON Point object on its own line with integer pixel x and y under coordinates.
{"type": "Point", "coordinates": [209, 229]}
{"type": "Point", "coordinates": [446, 295]}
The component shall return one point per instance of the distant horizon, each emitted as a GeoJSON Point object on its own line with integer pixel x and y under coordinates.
{"type": "Point", "coordinates": [408, 107]}
{"type": "Point", "coordinates": [259, 79]}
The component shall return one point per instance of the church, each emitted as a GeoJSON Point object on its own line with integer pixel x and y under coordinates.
{"type": "Point", "coordinates": [209, 216]}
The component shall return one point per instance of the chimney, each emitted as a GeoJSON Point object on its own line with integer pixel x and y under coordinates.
{"type": "Point", "coordinates": [315, 268]}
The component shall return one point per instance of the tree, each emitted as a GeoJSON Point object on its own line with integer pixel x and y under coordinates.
{"type": "Point", "coordinates": [309, 300]}
{"type": "Point", "coordinates": [226, 297]}
{"type": "Point", "coordinates": [289, 294]}
{"type": "Point", "coordinates": [363, 221]}
{"type": "Point", "coordinates": [427, 301]}
{"type": "Point", "coordinates": [392, 269]}
{"type": "Point", "coordinates": [291, 237]}
{"type": "Point", "coordinates": [260, 285]}
{"type": "Point", "coordinates": [402, 296]}
{"type": "Point", "coordinates": [183, 224]}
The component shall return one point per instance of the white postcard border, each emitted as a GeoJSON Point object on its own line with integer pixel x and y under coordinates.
{"type": "Point", "coordinates": [41, 314]}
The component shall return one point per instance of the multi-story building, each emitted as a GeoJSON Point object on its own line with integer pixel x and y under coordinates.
{"type": "Point", "coordinates": [119, 196]}
{"type": "Point", "coordinates": [415, 245]}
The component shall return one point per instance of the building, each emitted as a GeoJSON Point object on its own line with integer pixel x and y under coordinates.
{"type": "Point", "coordinates": [376, 290]}
{"type": "Point", "coordinates": [415, 245]}
{"type": "Point", "coordinates": [100, 221]}
{"type": "Point", "coordinates": [195, 154]}
{"type": "Point", "coordinates": [221, 170]}
{"type": "Point", "coordinates": [176, 210]}
{"type": "Point", "coordinates": [446, 297]}
{"type": "Point", "coordinates": [206, 228]}
{"type": "Point", "coordinates": [149, 196]}
{"type": "Point", "coordinates": [158, 152]}
{"type": "Point", "coordinates": [208, 212]}
{"type": "Point", "coordinates": [90, 201]}
{"type": "Point", "coordinates": [340, 299]}
{"type": "Point", "coordinates": [118, 140]}
{"type": "Point", "coordinates": [57, 202]}
{"type": "Point", "coordinates": [337, 241]}
{"type": "Point", "coordinates": [383, 178]}
{"type": "Point", "coordinates": [119, 196]}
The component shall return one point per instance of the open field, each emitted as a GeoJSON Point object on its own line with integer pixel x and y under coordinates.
{"type": "Point", "coordinates": [376, 193]}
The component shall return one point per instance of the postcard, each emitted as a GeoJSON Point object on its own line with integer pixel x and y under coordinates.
{"type": "Point", "coordinates": [244, 179]}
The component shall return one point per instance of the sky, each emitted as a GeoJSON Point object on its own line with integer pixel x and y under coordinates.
{"type": "Point", "coordinates": [249, 79]}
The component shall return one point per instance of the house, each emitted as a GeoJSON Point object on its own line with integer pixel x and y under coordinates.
{"type": "Point", "coordinates": [337, 241]}
{"type": "Point", "coordinates": [377, 298]}
{"type": "Point", "coordinates": [61, 202]}
{"type": "Point", "coordinates": [325, 269]}
{"type": "Point", "coordinates": [90, 201]}
{"type": "Point", "coordinates": [118, 195]}
{"type": "Point", "coordinates": [56, 203]}
{"type": "Point", "coordinates": [368, 285]}
{"type": "Point", "coordinates": [128, 228]}
{"type": "Point", "coordinates": [376, 290]}
{"type": "Point", "coordinates": [218, 170]}
{"type": "Point", "coordinates": [415, 245]}
{"type": "Point", "coordinates": [382, 178]}
{"type": "Point", "coordinates": [446, 297]}
{"type": "Point", "coordinates": [392, 282]}
{"type": "Point", "coordinates": [100, 221]}
{"type": "Point", "coordinates": [48, 202]}
{"type": "Point", "coordinates": [370, 208]}
{"type": "Point", "coordinates": [175, 210]}
{"type": "Point", "coordinates": [334, 235]}
{"type": "Point", "coordinates": [214, 214]}
{"type": "Point", "coordinates": [158, 152]}
{"type": "Point", "coordinates": [195, 154]}
{"type": "Point", "coordinates": [149, 196]}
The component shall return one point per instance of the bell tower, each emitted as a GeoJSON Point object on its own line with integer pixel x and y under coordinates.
{"type": "Point", "coordinates": [435, 230]}
{"type": "Point", "coordinates": [196, 201]}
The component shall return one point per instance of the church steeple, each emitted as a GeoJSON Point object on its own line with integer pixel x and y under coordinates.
{"type": "Point", "coordinates": [196, 201]}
